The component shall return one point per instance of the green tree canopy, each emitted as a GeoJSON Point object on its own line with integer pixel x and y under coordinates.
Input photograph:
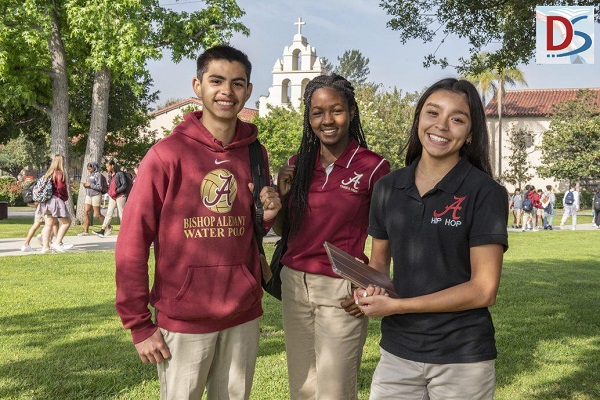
{"type": "Point", "coordinates": [281, 133]}
{"type": "Point", "coordinates": [18, 153]}
{"type": "Point", "coordinates": [511, 24]}
{"type": "Point", "coordinates": [571, 147]}
{"type": "Point", "coordinates": [386, 117]}
{"type": "Point", "coordinates": [352, 65]}
{"type": "Point", "coordinates": [518, 166]}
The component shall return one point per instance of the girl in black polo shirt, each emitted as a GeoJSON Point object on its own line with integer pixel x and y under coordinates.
{"type": "Point", "coordinates": [443, 220]}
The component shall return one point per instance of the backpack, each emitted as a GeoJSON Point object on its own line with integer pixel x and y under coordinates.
{"type": "Point", "coordinates": [527, 204]}
{"type": "Point", "coordinates": [27, 193]}
{"type": "Point", "coordinates": [104, 184]}
{"type": "Point", "coordinates": [42, 190]}
{"type": "Point", "coordinates": [259, 179]}
{"type": "Point", "coordinates": [569, 198]}
{"type": "Point", "coordinates": [129, 181]}
{"type": "Point", "coordinates": [597, 202]}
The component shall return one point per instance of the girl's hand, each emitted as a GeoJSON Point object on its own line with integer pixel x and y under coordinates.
{"type": "Point", "coordinates": [285, 178]}
{"type": "Point", "coordinates": [377, 306]}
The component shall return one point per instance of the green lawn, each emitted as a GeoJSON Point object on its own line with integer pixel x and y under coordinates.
{"type": "Point", "coordinates": [61, 339]}
{"type": "Point", "coordinates": [19, 226]}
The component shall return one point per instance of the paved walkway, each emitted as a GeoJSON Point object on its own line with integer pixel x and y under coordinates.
{"type": "Point", "coordinates": [12, 247]}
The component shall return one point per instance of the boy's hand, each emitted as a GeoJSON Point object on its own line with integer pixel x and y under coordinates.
{"type": "Point", "coordinates": [270, 201]}
{"type": "Point", "coordinates": [154, 349]}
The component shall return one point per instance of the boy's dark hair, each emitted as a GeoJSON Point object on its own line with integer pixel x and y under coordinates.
{"type": "Point", "coordinates": [223, 52]}
{"type": "Point", "coordinates": [478, 151]}
{"type": "Point", "coordinates": [310, 145]}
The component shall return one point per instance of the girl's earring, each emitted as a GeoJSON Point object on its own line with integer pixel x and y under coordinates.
{"type": "Point", "coordinates": [468, 142]}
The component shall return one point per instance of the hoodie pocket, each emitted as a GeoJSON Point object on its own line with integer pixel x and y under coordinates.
{"type": "Point", "coordinates": [213, 292]}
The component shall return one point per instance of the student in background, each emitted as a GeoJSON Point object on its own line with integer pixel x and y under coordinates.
{"type": "Point", "coordinates": [119, 186]}
{"type": "Point", "coordinates": [516, 205]}
{"type": "Point", "coordinates": [570, 206]}
{"type": "Point", "coordinates": [55, 210]}
{"type": "Point", "coordinates": [93, 196]}
{"type": "Point", "coordinates": [548, 201]}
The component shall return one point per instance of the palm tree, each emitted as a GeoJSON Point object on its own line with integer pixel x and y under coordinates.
{"type": "Point", "coordinates": [495, 80]}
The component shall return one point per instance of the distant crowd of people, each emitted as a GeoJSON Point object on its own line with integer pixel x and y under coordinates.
{"type": "Point", "coordinates": [50, 193]}
{"type": "Point", "coordinates": [534, 209]}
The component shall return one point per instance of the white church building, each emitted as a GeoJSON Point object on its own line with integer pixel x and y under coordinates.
{"type": "Point", "coordinates": [291, 73]}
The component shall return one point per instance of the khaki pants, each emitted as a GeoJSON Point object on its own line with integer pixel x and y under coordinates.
{"type": "Point", "coordinates": [323, 343]}
{"type": "Point", "coordinates": [222, 361]}
{"type": "Point", "coordinates": [119, 204]}
{"type": "Point", "coordinates": [398, 378]}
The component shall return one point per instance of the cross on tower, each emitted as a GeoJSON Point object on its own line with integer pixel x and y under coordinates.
{"type": "Point", "coordinates": [300, 23]}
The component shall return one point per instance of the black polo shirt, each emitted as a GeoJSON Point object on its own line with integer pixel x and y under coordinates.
{"type": "Point", "coordinates": [430, 240]}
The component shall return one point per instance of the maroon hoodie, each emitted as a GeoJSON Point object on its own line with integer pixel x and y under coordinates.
{"type": "Point", "coordinates": [191, 199]}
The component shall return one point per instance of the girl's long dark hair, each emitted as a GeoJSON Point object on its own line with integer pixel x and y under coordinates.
{"type": "Point", "coordinates": [309, 147]}
{"type": "Point", "coordinates": [477, 152]}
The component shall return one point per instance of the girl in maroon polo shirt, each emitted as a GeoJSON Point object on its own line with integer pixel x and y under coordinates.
{"type": "Point", "coordinates": [327, 188]}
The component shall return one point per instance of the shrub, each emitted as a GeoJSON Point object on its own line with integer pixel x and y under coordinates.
{"type": "Point", "coordinates": [10, 191]}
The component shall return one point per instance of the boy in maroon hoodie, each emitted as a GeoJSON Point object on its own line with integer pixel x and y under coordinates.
{"type": "Point", "coordinates": [192, 198]}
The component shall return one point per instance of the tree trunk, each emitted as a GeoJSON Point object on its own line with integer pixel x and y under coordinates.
{"type": "Point", "coordinates": [59, 112]}
{"type": "Point", "coordinates": [97, 133]}
{"type": "Point", "coordinates": [500, 100]}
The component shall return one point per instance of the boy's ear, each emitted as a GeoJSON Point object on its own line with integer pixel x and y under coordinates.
{"type": "Point", "coordinates": [249, 92]}
{"type": "Point", "coordinates": [197, 86]}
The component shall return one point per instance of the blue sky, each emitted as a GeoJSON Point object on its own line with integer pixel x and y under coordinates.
{"type": "Point", "coordinates": [333, 26]}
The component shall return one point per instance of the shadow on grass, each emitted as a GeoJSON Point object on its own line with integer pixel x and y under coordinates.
{"type": "Point", "coordinates": [547, 329]}
{"type": "Point", "coordinates": [64, 354]}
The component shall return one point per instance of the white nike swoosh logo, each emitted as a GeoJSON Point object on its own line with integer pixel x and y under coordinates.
{"type": "Point", "coordinates": [217, 162]}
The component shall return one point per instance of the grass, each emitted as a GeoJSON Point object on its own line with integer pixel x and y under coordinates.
{"type": "Point", "coordinates": [61, 339]}
{"type": "Point", "coordinates": [16, 227]}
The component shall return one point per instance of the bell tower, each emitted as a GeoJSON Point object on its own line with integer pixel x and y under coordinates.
{"type": "Point", "coordinates": [291, 73]}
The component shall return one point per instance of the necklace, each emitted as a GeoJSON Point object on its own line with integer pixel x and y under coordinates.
{"type": "Point", "coordinates": [426, 177]}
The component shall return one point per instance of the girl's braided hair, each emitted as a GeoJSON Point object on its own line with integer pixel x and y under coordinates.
{"type": "Point", "coordinates": [310, 145]}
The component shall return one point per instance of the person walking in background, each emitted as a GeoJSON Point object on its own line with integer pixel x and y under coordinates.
{"type": "Point", "coordinates": [548, 201]}
{"type": "Point", "coordinates": [119, 186]}
{"type": "Point", "coordinates": [539, 212]}
{"type": "Point", "coordinates": [327, 189]}
{"type": "Point", "coordinates": [442, 219]}
{"type": "Point", "coordinates": [193, 200]}
{"type": "Point", "coordinates": [55, 210]}
{"type": "Point", "coordinates": [38, 220]}
{"type": "Point", "coordinates": [93, 196]}
{"type": "Point", "coordinates": [530, 205]}
{"type": "Point", "coordinates": [516, 205]}
{"type": "Point", "coordinates": [570, 206]}
{"type": "Point", "coordinates": [596, 208]}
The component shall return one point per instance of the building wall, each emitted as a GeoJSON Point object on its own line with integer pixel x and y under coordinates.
{"type": "Point", "coordinates": [537, 126]}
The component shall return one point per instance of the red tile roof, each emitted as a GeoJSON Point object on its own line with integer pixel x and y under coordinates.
{"type": "Point", "coordinates": [533, 102]}
{"type": "Point", "coordinates": [246, 115]}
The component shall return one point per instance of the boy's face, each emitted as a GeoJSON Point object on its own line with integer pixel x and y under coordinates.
{"type": "Point", "coordinates": [224, 89]}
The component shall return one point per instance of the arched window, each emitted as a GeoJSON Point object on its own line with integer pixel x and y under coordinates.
{"type": "Point", "coordinates": [304, 83]}
{"type": "Point", "coordinates": [285, 91]}
{"type": "Point", "coordinates": [296, 60]}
